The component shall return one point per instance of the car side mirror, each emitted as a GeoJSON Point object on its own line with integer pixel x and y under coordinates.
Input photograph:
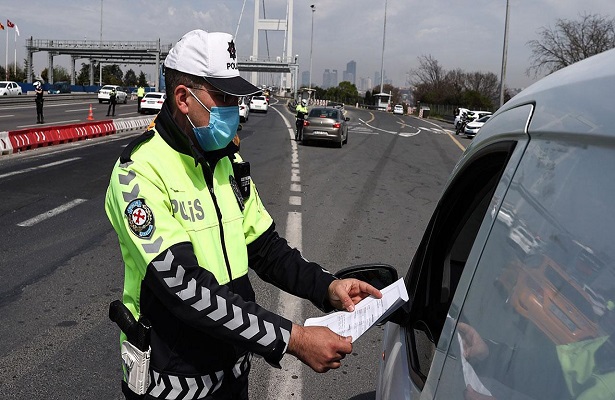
{"type": "Point", "coordinates": [239, 127]}
{"type": "Point", "coordinates": [379, 276]}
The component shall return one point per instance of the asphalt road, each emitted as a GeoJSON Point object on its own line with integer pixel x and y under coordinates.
{"type": "Point", "coordinates": [60, 265]}
{"type": "Point", "coordinates": [61, 111]}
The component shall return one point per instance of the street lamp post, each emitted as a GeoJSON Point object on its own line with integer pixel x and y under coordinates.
{"type": "Point", "coordinates": [504, 58]}
{"type": "Point", "coordinates": [311, 47]}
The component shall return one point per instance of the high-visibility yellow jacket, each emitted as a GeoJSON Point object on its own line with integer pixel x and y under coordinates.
{"type": "Point", "coordinates": [188, 236]}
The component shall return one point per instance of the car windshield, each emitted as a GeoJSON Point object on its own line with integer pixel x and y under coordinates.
{"type": "Point", "coordinates": [3, 84]}
{"type": "Point", "coordinates": [258, 98]}
{"type": "Point", "coordinates": [483, 119]}
{"type": "Point", "coordinates": [153, 95]}
{"type": "Point", "coordinates": [108, 87]}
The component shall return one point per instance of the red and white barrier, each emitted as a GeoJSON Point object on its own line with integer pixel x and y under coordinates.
{"type": "Point", "coordinates": [32, 138]}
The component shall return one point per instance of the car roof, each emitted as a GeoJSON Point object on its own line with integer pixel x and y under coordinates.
{"type": "Point", "coordinates": [576, 99]}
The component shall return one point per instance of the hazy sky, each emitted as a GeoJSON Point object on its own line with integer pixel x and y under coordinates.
{"type": "Point", "coordinates": [466, 34]}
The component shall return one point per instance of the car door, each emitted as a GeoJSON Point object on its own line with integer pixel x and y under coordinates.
{"type": "Point", "coordinates": [545, 315]}
{"type": "Point", "coordinates": [438, 278]}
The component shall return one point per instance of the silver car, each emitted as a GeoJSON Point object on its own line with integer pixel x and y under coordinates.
{"type": "Point", "coordinates": [485, 320]}
{"type": "Point", "coordinates": [326, 124]}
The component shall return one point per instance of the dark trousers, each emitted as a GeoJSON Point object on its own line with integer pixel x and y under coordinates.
{"type": "Point", "coordinates": [111, 104]}
{"type": "Point", "coordinates": [139, 103]}
{"type": "Point", "coordinates": [39, 113]}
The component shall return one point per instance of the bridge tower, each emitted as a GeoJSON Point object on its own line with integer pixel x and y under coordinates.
{"type": "Point", "coordinates": [286, 25]}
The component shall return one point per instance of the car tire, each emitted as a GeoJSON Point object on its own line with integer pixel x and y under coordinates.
{"type": "Point", "coordinates": [125, 99]}
{"type": "Point", "coordinates": [99, 101]}
{"type": "Point", "coordinates": [346, 140]}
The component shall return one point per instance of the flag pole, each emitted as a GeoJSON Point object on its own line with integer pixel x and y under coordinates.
{"type": "Point", "coordinates": [15, 54]}
{"type": "Point", "coordinates": [6, 56]}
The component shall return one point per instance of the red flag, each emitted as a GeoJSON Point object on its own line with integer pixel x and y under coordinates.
{"type": "Point", "coordinates": [10, 24]}
{"type": "Point", "coordinates": [1, 27]}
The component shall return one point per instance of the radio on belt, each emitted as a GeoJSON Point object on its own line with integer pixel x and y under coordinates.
{"type": "Point", "coordinates": [136, 350]}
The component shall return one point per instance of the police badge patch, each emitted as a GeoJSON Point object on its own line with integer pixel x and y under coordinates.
{"type": "Point", "coordinates": [140, 219]}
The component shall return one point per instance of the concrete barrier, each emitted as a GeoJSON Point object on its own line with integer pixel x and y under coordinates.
{"type": "Point", "coordinates": [5, 144]}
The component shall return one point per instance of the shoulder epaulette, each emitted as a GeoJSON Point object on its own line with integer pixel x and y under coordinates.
{"type": "Point", "coordinates": [125, 157]}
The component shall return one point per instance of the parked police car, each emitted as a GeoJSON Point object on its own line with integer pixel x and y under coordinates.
{"type": "Point", "coordinates": [486, 320]}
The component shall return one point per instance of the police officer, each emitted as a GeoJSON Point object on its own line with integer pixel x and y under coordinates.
{"type": "Point", "coordinates": [112, 101]}
{"type": "Point", "coordinates": [301, 110]}
{"type": "Point", "coordinates": [190, 223]}
{"type": "Point", "coordinates": [140, 95]}
{"type": "Point", "coordinates": [38, 90]}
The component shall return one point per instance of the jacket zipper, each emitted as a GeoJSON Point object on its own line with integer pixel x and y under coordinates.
{"type": "Point", "coordinates": [209, 181]}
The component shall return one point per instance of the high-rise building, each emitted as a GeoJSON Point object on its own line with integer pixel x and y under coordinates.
{"type": "Point", "coordinates": [350, 74]}
{"type": "Point", "coordinates": [329, 78]}
{"type": "Point", "coordinates": [305, 78]}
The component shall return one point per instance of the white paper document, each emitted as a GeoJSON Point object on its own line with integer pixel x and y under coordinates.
{"type": "Point", "coordinates": [469, 375]}
{"type": "Point", "coordinates": [367, 312]}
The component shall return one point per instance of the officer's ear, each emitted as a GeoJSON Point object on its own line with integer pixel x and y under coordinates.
{"type": "Point", "coordinates": [180, 95]}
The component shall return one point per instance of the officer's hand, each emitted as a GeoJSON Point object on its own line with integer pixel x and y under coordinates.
{"type": "Point", "coordinates": [319, 347]}
{"type": "Point", "coordinates": [345, 293]}
{"type": "Point", "coordinates": [474, 347]}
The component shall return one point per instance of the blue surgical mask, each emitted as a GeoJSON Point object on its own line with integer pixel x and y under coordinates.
{"type": "Point", "coordinates": [223, 124]}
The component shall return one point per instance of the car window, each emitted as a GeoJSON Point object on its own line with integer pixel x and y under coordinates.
{"type": "Point", "coordinates": [2, 84]}
{"type": "Point", "coordinates": [462, 218]}
{"type": "Point", "coordinates": [545, 308]}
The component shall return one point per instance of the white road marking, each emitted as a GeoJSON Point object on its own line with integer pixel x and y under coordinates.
{"type": "Point", "coordinates": [53, 164]}
{"type": "Point", "coordinates": [51, 213]}
{"type": "Point", "coordinates": [287, 383]}
{"type": "Point", "coordinates": [7, 116]}
{"type": "Point", "coordinates": [50, 123]}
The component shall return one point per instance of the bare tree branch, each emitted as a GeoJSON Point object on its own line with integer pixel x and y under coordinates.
{"type": "Point", "coordinates": [569, 42]}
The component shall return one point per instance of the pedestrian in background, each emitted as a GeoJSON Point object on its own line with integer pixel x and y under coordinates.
{"type": "Point", "coordinates": [191, 224]}
{"type": "Point", "coordinates": [38, 90]}
{"type": "Point", "coordinates": [140, 95]}
{"type": "Point", "coordinates": [112, 102]}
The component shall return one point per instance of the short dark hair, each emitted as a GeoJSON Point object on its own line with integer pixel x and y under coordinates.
{"type": "Point", "coordinates": [173, 78]}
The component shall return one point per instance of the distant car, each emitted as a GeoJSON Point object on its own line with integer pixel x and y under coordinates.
{"type": "Point", "coordinates": [259, 103]}
{"type": "Point", "coordinates": [9, 88]}
{"type": "Point", "coordinates": [399, 109]}
{"type": "Point", "coordinates": [152, 102]}
{"type": "Point", "coordinates": [244, 110]}
{"type": "Point", "coordinates": [472, 127]}
{"type": "Point", "coordinates": [326, 123]}
{"type": "Point", "coordinates": [475, 115]}
{"type": "Point", "coordinates": [59, 87]}
{"type": "Point", "coordinates": [121, 95]}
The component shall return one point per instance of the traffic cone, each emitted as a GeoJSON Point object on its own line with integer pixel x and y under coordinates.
{"type": "Point", "coordinates": [90, 115]}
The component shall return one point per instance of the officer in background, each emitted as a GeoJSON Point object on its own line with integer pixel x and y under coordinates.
{"type": "Point", "coordinates": [190, 224]}
{"type": "Point", "coordinates": [140, 95]}
{"type": "Point", "coordinates": [38, 90]}
{"type": "Point", "coordinates": [301, 110]}
{"type": "Point", "coordinates": [112, 102]}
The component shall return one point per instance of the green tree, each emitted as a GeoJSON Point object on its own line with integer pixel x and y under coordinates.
{"type": "Point", "coordinates": [83, 76]}
{"type": "Point", "coordinates": [60, 74]}
{"type": "Point", "coordinates": [570, 41]}
{"type": "Point", "coordinates": [112, 75]}
{"type": "Point", "coordinates": [142, 79]}
{"type": "Point", "coordinates": [130, 78]}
